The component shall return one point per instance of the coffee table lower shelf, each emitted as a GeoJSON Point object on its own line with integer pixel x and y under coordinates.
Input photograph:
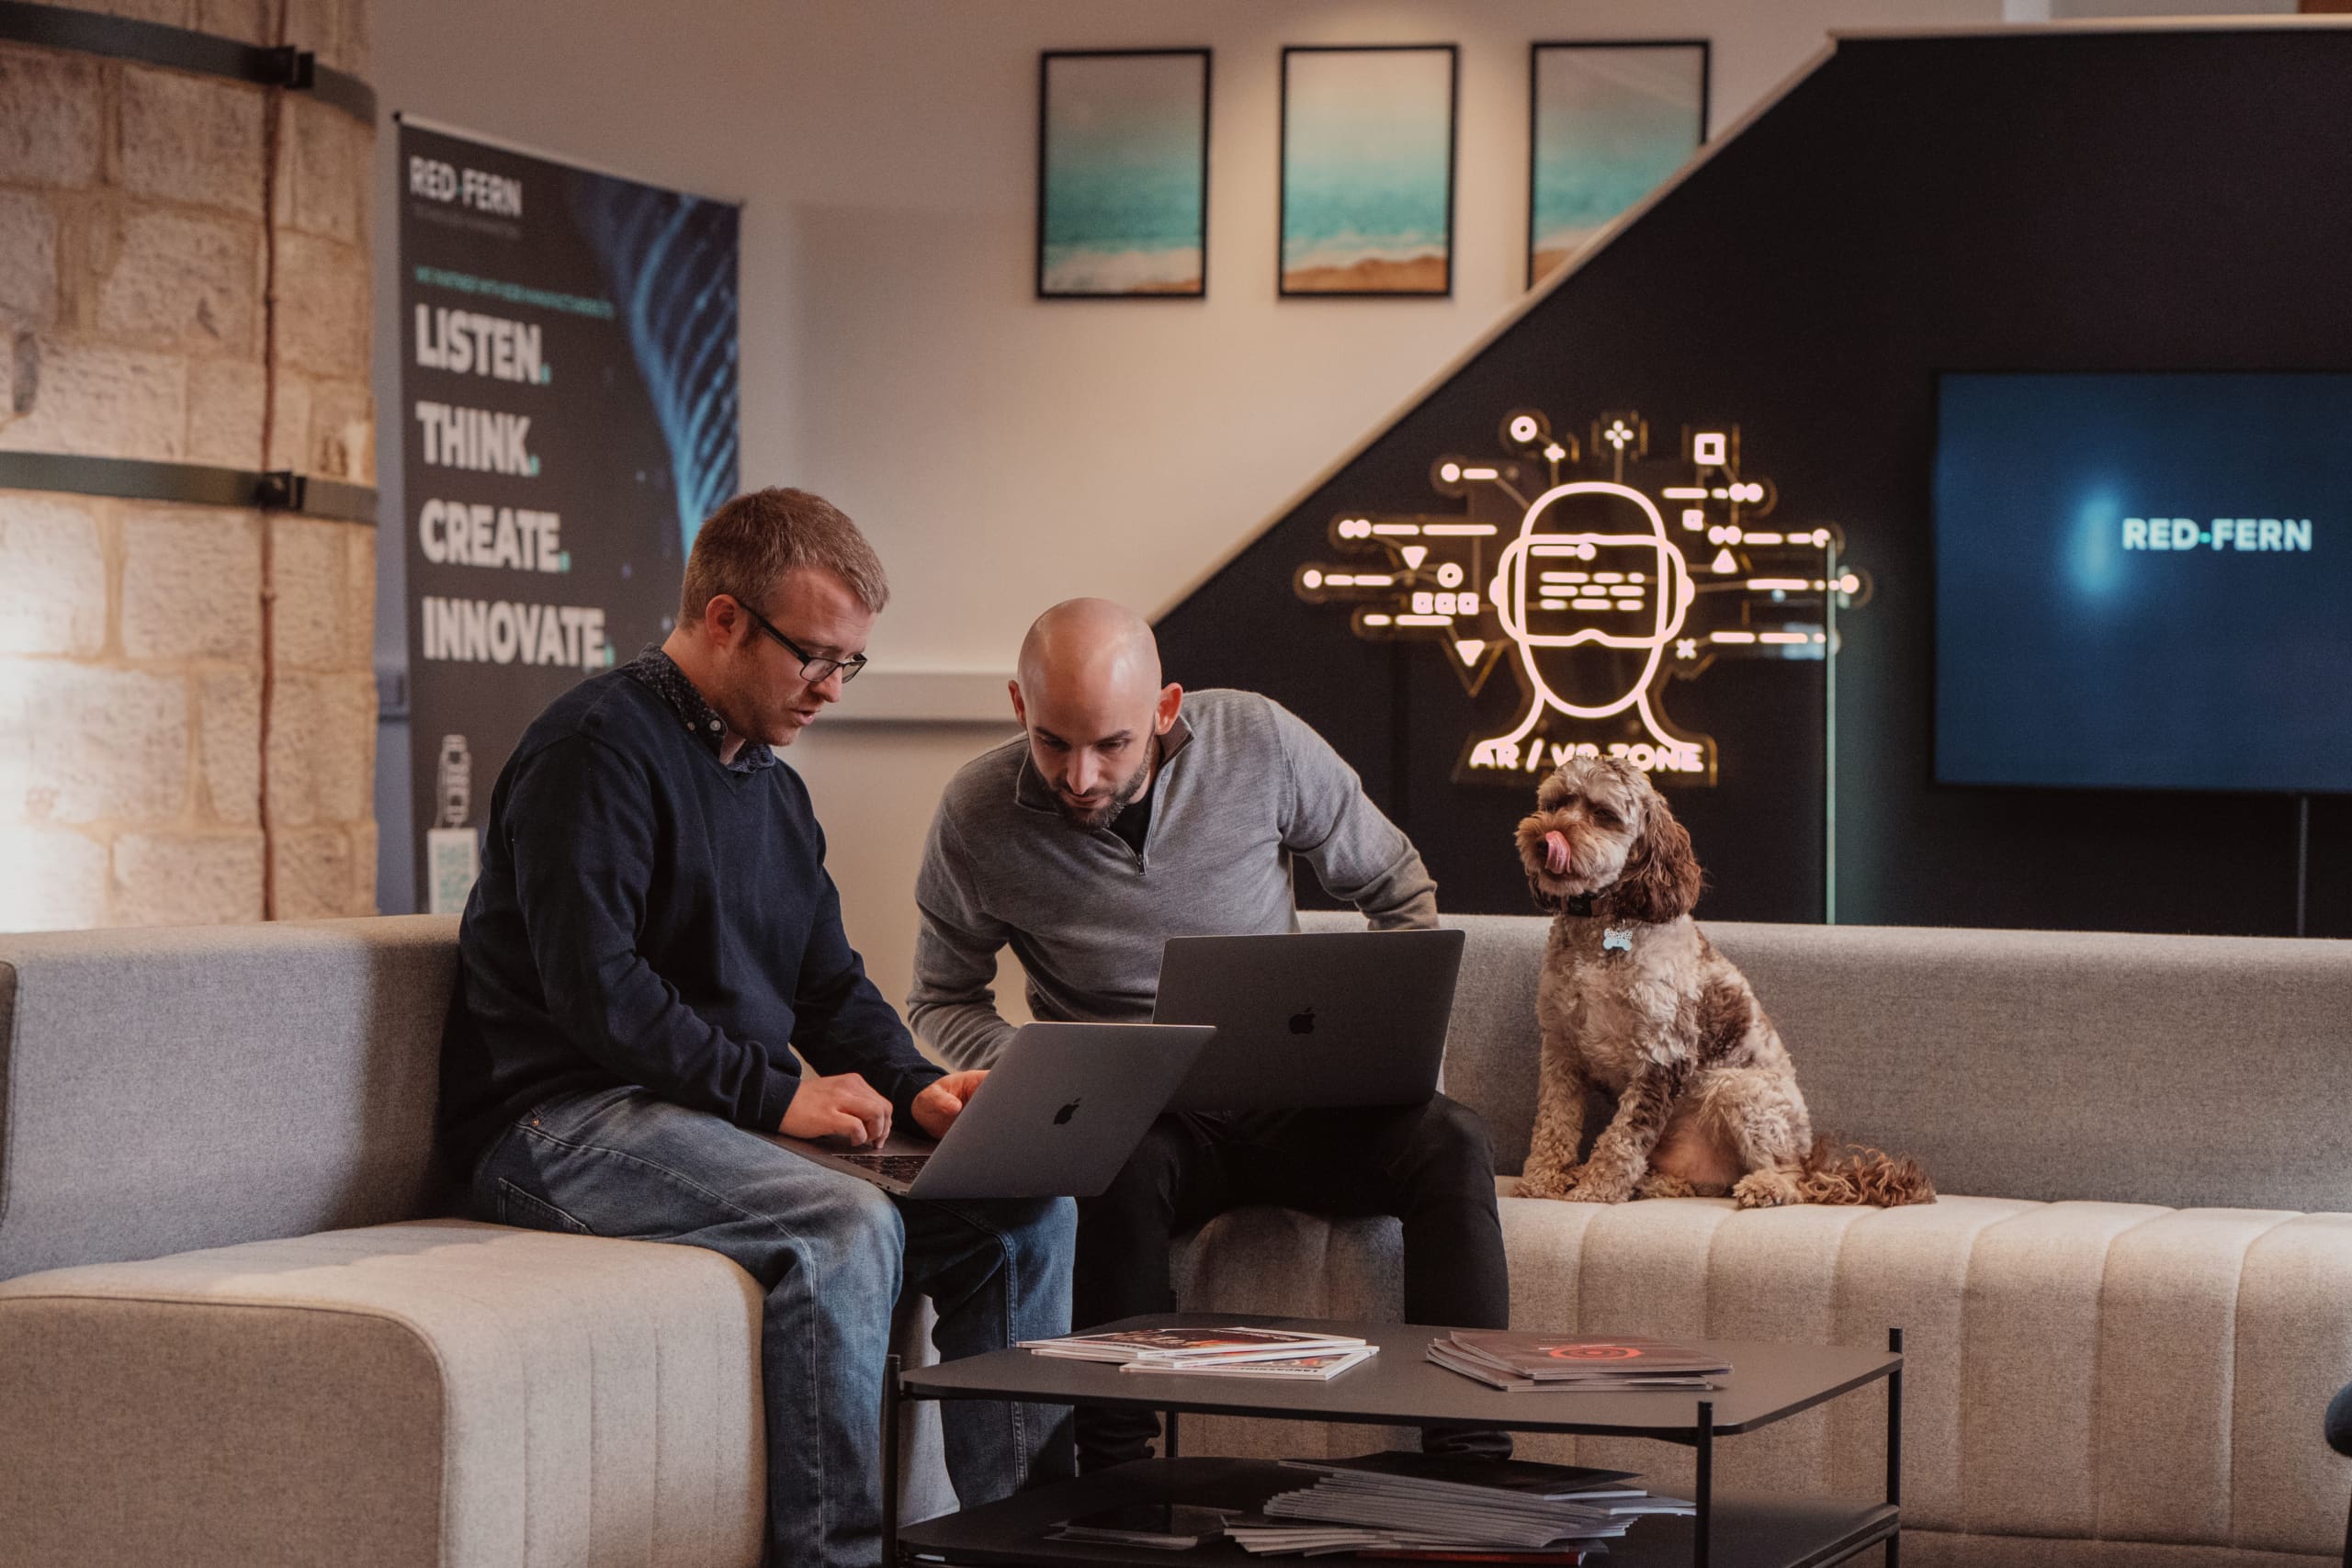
{"type": "Point", "coordinates": [1749, 1530]}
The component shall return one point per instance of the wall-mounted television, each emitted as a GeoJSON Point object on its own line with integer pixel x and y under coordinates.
{"type": "Point", "coordinates": [2144, 581]}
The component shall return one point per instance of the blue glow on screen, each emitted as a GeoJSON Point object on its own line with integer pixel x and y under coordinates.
{"type": "Point", "coordinates": [2145, 581]}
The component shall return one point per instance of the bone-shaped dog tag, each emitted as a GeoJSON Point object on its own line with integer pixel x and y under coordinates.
{"type": "Point", "coordinates": [1617, 939]}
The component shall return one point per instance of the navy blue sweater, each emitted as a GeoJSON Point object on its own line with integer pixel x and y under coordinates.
{"type": "Point", "coordinates": [646, 914]}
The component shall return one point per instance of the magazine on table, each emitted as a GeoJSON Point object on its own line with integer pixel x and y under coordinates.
{"type": "Point", "coordinates": [1472, 1476]}
{"type": "Point", "coordinates": [1566, 1365]}
{"type": "Point", "coordinates": [1341, 1497]}
{"type": "Point", "coordinates": [1193, 1345]}
{"type": "Point", "coordinates": [1510, 1382]}
{"type": "Point", "coordinates": [1440, 1508]}
{"type": "Point", "coordinates": [1262, 1537]}
{"type": "Point", "coordinates": [1453, 1524]}
{"type": "Point", "coordinates": [1546, 1357]}
{"type": "Point", "coordinates": [1308, 1369]}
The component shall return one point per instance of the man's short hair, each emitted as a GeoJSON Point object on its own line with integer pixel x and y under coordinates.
{"type": "Point", "coordinates": [748, 545]}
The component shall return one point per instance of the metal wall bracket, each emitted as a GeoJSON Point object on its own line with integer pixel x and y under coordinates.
{"type": "Point", "coordinates": [134, 479]}
{"type": "Point", "coordinates": [207, 54]}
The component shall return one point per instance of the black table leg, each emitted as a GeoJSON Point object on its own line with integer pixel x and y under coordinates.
{"type": "Point", "coordinates": [1894, 1446]}
{"type": "Point", "coordinates": [1168, 1437]}
{"type": "Point", "coordinates": [1706, 1499]}
{"type": "Point", "coordinates": [890, 1480]}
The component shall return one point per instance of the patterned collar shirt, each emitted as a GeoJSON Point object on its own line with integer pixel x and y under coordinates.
{"type": "Point", "coordinates": [660, 673]}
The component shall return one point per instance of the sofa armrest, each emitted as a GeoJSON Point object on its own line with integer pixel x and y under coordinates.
{"type": "Point", "coordinates": [429, 1393]}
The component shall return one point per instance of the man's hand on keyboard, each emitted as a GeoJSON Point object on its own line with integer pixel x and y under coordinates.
{"type": "Point", "coordinates": [940, 1104]}
{"type": "Point", "coordinates": [841, 1106]}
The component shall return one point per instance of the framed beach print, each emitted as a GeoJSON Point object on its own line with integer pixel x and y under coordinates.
{"type": "Point", "coordinates": [1367, 177]}
{"type": "Point", "coordinates": [1609, 121]}
{"type": "Point", "coordinates": [1122, 173]}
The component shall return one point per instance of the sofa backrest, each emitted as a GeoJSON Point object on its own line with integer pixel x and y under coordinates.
{"type": "Point", "coordinates": [166, 1089]}
{"type": "Point", "coordinates": [2186, 1071]}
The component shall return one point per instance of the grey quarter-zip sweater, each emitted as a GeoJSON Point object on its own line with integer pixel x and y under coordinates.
{"type": "Point", "coordinates": [1244, 787]}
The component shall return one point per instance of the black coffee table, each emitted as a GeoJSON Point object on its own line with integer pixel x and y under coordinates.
{"type": "Point", "coordinates": [1399, 1387]}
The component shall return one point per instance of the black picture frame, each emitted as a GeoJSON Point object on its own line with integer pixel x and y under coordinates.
{"type": "Point", "coordinates": [1046, 60]}
{"type": "Point", "coordinates": [1452, 161]}
{"type": "Point", "coordinates": [1536, 52]}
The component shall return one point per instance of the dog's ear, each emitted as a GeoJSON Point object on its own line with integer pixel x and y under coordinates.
{"type": "Point", "coordinates": [1660, 882]}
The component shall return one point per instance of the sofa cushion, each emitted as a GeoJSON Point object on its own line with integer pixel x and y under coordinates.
{"type": "Point", "coordinates": [2118, 1372]}
{"type": "Point", "coordinates": [437, 1392]}
{"type": "Point", "coordinates": [167, 1089]}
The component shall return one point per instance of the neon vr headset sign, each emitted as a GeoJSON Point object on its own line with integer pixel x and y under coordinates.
{"type": "Point", "coordinates": [1598, 578]}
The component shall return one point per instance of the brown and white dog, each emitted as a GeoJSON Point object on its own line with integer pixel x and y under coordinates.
{"type": "Point", "coordinates": [1634, 1001]}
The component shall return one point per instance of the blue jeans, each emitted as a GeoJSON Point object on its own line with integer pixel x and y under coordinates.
{"type": "Point", "coordinates": [832, 1253]}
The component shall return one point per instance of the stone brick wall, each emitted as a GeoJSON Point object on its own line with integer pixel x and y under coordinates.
{"type": "Point", "coordinates": [186, 706]}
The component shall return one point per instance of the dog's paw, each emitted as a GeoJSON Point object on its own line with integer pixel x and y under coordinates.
{"type": "Point", "coordinates": [1658, 1184]}
{"type": "Point", "coordinates": [1765, 1189]}
{"type": "Point", "coordinates": [1548, 1183]}
{"type": "Point", "coordinates": [1598, 1189]}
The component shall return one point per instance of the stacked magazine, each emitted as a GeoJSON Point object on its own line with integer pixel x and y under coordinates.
{"type": "Point", "coordinates": [1226, 1352]}
{"type": "Point", "coordinates": [1519, 1363]}
{"type": "Point", "coordinates": [1411, 1505]}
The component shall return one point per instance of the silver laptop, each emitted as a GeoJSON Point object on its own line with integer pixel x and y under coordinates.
{"type": "Point", "coordinates": [1311, 1019]}
{"type": "Point", "coordinates": [1065, 1106]}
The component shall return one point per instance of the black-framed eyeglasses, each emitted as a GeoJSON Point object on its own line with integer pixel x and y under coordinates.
{"type": "Point", "coordinates": [813, 670]}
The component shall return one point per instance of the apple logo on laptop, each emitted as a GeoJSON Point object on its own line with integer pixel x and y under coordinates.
{"type": "Point", "coordinates": [1303, 1022]}
{"type": "Point", "coordinates": [1066, 1112]}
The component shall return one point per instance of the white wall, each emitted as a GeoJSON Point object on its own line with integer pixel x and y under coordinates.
{"type": "Point", "coordinates": [1005, 452]}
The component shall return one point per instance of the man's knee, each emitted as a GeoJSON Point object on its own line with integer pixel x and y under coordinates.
{"type": "Point", "coordinates": [863, 1210]}
{"type": "Point", "coordinates": [1039, 1234]}
{"type": "Point", "coordinates": [852, 1235]}
{"type": "Point", "coordinates": [1147, 1183]}
{"type": "Point", "coordinates": [1452, 1145]}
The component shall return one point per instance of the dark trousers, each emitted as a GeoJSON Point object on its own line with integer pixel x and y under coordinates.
{"type": "Point", "coordinates": [1430, 1164]}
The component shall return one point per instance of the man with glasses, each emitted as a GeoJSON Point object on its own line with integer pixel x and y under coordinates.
{"type": "Point", "coordinates": [652, 937]}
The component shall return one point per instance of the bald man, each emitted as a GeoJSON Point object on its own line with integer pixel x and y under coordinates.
{"type": "Point", "coordinates": [1130, 812]}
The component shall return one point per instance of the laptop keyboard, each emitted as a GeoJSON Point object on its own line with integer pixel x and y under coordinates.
{"type": "Point", "coordinates": [898, 1167]}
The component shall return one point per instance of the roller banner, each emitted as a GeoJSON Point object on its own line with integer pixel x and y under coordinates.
{"type": "Point", "coordinates": [568, 392]}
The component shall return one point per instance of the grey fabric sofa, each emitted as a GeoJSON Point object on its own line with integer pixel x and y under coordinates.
{"type": "Point", "coordinates": [233, 1331]}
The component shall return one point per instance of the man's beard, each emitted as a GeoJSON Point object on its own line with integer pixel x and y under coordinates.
{"type": "Point", "coordinates": [1124, 796]}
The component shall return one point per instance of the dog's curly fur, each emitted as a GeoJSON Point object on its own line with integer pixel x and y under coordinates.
{"type": "Point", "coordinates": [1707, 1099]}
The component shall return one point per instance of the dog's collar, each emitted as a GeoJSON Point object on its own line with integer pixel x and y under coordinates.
{"type": "Point", "coordinates": [1615, 939]}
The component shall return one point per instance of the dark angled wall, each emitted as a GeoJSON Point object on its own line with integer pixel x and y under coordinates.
{"type": "Point", "coordinates": [2109, 200]}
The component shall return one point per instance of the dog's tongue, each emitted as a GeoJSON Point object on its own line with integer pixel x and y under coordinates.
{"type": "Point", "coordinates": [1555, 854]}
